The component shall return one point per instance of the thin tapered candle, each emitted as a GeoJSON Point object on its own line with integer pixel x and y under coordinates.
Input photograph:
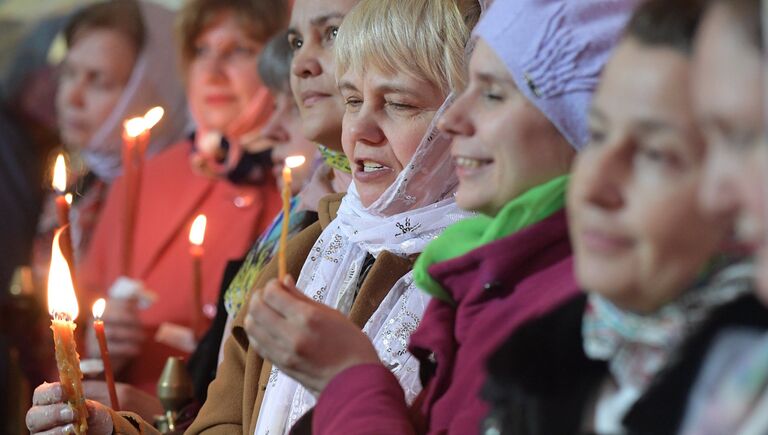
{"type": "Point", "coordinates": [290, 163]}
{"type": "Point", "coordinates": [196, 238]}
{"type": "Point", "coordinates": [132, 130]}
{"type": "Point", "coordinates": [98, 325]}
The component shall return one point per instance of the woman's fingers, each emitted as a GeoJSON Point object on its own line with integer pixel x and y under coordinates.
{"type": "Point", "coordinates": [287, 301]}
{"type": "Point", "coordinates": [48, 394]}
{"type": "Point", "coordinates": [47, 417]}
{"type": "Point", "coordinates": [62, 430]}
{"type": "Point", "coordinates": [264, 326]}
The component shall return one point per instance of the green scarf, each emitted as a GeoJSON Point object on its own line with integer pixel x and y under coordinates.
{"type": "Point", "coordinates": [335, 159]}
{"type": "Point", "coordinates": [531, 207]}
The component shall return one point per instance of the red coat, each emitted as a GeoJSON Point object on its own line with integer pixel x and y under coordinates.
{"type": "Point", "coordinates": [496, 288]}
{"type": "Point", "coordinates": [171, 195]}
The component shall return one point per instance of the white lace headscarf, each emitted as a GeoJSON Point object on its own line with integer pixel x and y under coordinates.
{"type": "Point", "coordinates": [154, 81]}
{"type": "Point", "coordinates": [413, 211]}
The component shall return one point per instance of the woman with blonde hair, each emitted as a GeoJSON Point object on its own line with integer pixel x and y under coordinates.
{"type": "Point", "coordinates": [394, 76]}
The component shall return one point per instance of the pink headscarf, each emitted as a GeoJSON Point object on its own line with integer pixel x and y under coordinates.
{"type": "Point", "coordinates": [155, 81]}
{"type": "Point", "coordinates": [243, 136]}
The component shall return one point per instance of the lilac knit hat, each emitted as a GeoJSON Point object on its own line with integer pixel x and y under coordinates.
{"type": "Point", "coordinates": [555, 50]}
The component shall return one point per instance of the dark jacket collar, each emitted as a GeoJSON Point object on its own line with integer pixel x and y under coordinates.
{"type": "Point", "coordinates": [547, 391]}
{"type": "Point", "coordinates": [540, 379]}
{"type": "Point", "coordinates": [662, 408]}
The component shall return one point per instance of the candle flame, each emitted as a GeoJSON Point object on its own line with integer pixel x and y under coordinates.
{"type": "Point", "coordinates": [134, 127]}
{"type": "Point", "coordinates": [61, 293]}
{"type": "Point", "coordinates": [197, 232]}
{"type": "Point", "coordinates": [294, 161]}
{"type": "Point", "coordinates": [153, 116]}
{"type": "Point", "coordinates": [68, 198]}
{"type": "Point", "coordinates": [98, 308]}
{"type": "Point", "coordinates": [59, 182]}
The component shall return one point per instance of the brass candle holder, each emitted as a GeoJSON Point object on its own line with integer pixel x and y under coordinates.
{"type": "Point", "coordinates": [174, 389]}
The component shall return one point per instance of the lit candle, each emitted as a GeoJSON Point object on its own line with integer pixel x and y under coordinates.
{"type": "Point", "coordinates": [98, 326]}
{"type": "Point", "coordinates": [290, 163]}
{"type": "Point", "coordinates": [59, 184]}
{"type": "Point", "coordinates": [153, 116]}
{"type": "Point", "coordinates": [196, 238]}
{"type": "Point", "coordinates": [132, 129]}
{"type": "Point", "coordinates": [62, 305]}
{"type": "Point", "coordinates": [151, 119]}
{"type": "Point", "coordinates": [135, 142]}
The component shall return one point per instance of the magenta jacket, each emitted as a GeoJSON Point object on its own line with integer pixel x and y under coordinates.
{"type": "Point", "coordinates": [496, 288]}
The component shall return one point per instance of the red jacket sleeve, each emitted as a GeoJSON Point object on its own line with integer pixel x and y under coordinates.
{"type": "Point", "coordinates": [365, 399]}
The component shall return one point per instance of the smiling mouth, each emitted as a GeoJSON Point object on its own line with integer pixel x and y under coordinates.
{"type": "Point", "coordinates": [369, 171]}
{"type": "Point", "coordinates": [309, 99]}
{"type": "Point", "coordinates": [598, 241]}
{"type": "Point", "coordinates": [369, 166]}
{"type": "Point", "coordinates": [471, 163]}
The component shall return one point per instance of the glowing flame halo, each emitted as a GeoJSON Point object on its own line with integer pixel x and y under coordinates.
{"type": "Point", "coordinates": [153, 116]}
{"type": "Point", "coordinates": [59, 181]}
{"type": "Point", "coordinates": [98, 308]}
{"type": "Point", "coordinates": [197, 232]}
{"type": "Point", "coordinates": [62, 301]}
{"type": "Point", "coordinates": [134, 127]}
{"type": "Point", "coordinates": [294, 161]}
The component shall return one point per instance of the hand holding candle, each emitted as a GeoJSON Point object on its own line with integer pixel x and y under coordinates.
{"type": "Point", "coordinates": [290, 163]}
{"type": "Point", "coordinates": [62, 305]}
{"type": "Point", "coordinates": [196, 238]}
{"type": "Point", "coordinates": [98, 326]}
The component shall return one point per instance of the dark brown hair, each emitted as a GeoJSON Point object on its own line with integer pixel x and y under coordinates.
{"type": "Point", "coordinates": [275, 63]}
{"type": "Point", "coordinates": [667, 23]}
{"type": "Point", "coordinates": [123, 16]}
{"type": "Point", "coordinates": [261, 19]}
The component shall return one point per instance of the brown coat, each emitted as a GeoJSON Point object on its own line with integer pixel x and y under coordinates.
{"type": "Point", "coordinates": [234, 397]}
